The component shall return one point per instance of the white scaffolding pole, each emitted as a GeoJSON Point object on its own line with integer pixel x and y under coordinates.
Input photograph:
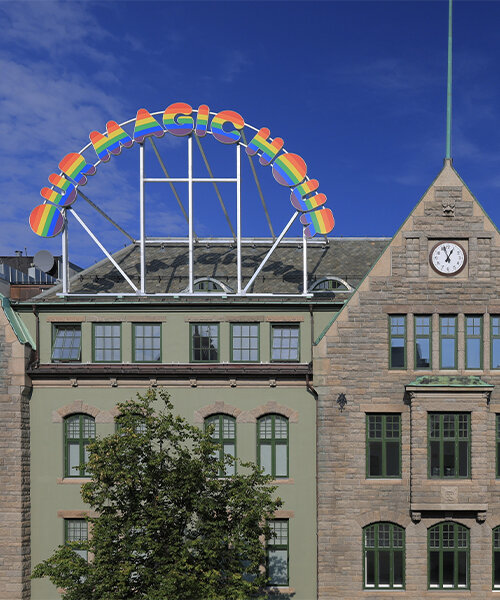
{"type": "Point", "coordinates": [142, 233]}
{"type": "Point", "coordinates": [113, 261]}
{"type": "Point", "coordinates": [238, 213]}
{"type": "Point", "coordinates": [304, 261]}
{"type": "Point", "coordinates": [64, 254]}
{"type": "Point", "coordinates": [190, 185]}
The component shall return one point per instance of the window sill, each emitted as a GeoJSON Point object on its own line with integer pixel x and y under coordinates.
{"type": "Point", "coordinates": [77, 480]}
{"type": "Point", "coordinates": [285, 480]}
{"type": "Point", "coordinates": [279, 589]}
{"type": "Point", "coordinates": [383, 480]}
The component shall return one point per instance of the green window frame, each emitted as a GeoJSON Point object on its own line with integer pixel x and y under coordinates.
{"type": "Point", "coordinates": [495, 341]}
{"type": "Point", "coordinates": [245, 342]}
{"type": "Point", "coordinates": [139, 424]}
{"type": "Point", "coordinates": [285, 343]}
{"type": "Point", "coordinates": [146, 342]}
{"type": "Point", "coordinates": [66, 342]}
{"type": "Point", "coordinates": [272, 445]}
{"type": "Point", "coordinates": [204, 342]}
{"type": "Point", "coordinates": [79, 431]}
{"type": "Point", "coordinates": [106, 342]}
{"type": "Point", "coordinates": [75, 531]}
{"type": "Point", "coordinates": [397, 341]}
{"type": "Point", "coordinates": [448, 549]}
{"type": "Point", "coordinates": [497, 438]}
{"type": "Point", "coordinates": [383, 556]}
{"type": "Point", "coordinates": [473, 332]}
{"type": "Point", "coordinates": [495, 539]}
{"type": "Point", "coordinates": [224, 433]}
{"type": "Point", "coordinates": [448, 335]}
{"type": "Point", "coordinates": [383, 446]}
{"type": "Point", "coordinates": [423, 342]}
{"type": "Point", "coordinates": [278, 553]}
{"type": "Point", "coordinates": [449, 445]}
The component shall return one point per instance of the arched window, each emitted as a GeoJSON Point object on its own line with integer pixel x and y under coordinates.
{"type": "Point", "coordinates": [496, 558]}
{"type": "Point", "coordinates": [209, 285]}
{"type": "Point", "coordinates": [330, 284]}
{"type": "Point", "coordinates": [224, 433]}
{"type": "Point", "coordinates": [383, 550]}
{"type": "Point", "coordinates": [139, 424]}
{"type": "Point", "coordinates": [448, 547]}
{"type": "Point", "coordinates": [272, 445]}
{"type": "Point", "coordinates": [79, 430]}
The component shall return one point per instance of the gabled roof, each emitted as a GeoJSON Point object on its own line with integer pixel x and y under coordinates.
{"type": "Point", "coordinates": [167, 265]}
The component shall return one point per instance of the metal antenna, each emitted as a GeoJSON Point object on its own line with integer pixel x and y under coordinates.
{"type": "Point", "coordinates": [448, 99]}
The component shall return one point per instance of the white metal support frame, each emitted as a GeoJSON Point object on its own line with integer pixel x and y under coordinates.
{"type": "Point", "coordinates": [143, 239]}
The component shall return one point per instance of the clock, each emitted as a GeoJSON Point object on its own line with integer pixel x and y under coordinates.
{"type": "Point", "coordinates": [448, 258]}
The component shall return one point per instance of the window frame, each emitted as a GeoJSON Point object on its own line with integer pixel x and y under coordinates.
{"type": "Point", "coordinates": [391, 548]}
{"type": "Point", "coordinates": [494, 529]}
{"type": "Point", "coordinates": [456, 549]}
{"type": "Point", "coordinates": [221, 440]}
{"type": "Point", "coordinates": [404, 337]}
{"type": "Point", "coordinates": [54, 328]}
{"type": "Point", "coordinates": [231, 348]}
{"type": "Point", "coordinates": [82, 443]}
{"type": "Point", "coordinates": [283, 325]}
{"type": "Point", "coordinates": [494, 337]}
{"type": "Point", "coordinates": [136, 324]}
{"type": "Point", "coordinates": [285, 547]}
{"type": "Point", "coordinates": [422, 336]}
{"type": "Point", "coordinates": [497, 444]}
{"type": "Point", "coordinates": [384, 439]}
{"type": "Point", "coordinates": [480, 337]}
{"type": "Point", "coordinates": [66, 531]}
{"type": "Point", "coordinates": [94, 360]}
{"type": "Point", "coordinates": [443, 337]}
{"type": "Point", "coordinates": [191, 346]}
{"type": "Point", "coordinates": [272, 442]}
{"type": "Point", "coordinates": [456, 440]}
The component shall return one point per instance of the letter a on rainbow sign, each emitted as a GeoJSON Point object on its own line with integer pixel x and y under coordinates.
{"type": "Point", "coordinates": [146, 125]}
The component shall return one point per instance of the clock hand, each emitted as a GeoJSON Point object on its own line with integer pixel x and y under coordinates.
{"type": "Point", "coordinates": [448, 256]}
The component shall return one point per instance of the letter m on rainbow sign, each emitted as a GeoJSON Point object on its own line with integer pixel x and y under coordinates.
{"type": "Point", "coordinates": [112, 143]}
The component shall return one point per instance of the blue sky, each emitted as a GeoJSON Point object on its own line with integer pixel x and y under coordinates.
{"type": "Point", "coordinates": [358, 89]}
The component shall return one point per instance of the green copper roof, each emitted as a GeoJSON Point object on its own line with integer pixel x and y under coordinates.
{"type": "Point", "coordinates": [20, 329]}
{"type": "Point", "coordinates": [450, 381]}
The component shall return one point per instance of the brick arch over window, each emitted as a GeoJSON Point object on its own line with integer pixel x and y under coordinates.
{"type": "Point", "coordinates": [389, 515]}
{"type": "Point", "coordinates": [272, 408]}
{"type": "Point", "coordinates": [78, 406]}
{"type": "Point", "coordinates": [218, 408]}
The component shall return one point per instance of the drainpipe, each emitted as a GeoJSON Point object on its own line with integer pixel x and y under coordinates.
{"type": "Point", "coordinates": [37, 336]}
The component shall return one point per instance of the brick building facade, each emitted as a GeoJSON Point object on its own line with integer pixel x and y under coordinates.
{"type": "Point", "coordinates": [414, 351]}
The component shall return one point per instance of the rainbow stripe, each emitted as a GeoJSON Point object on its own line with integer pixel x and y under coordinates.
{"type": "Point", "coordinates": [227, 116]}
{"type": "Point", "coordinates": [46, 220]}
{"type": "Point", "coordinates": [146, 125]}
{"type": "Point", "coordinates": [289, 169]}
{"type": "Point", "coordinates": [75, 167]}
{"type": "Point", "coordinates": [176, 119]}
{"type": "Point", "coordinates": [112, 143]}
{"type": "Point", "coordinates": [269, 149]}
{"type": "Point", "coordinates": [318, 222]}
{"type": "Point", "coordinates": [64, 195]}
{"type": "Point", "coordinates": [202, 120]}
{"type": "Point", "coordinates": [301, 198]}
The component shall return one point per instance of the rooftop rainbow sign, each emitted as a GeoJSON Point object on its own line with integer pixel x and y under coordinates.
{"type": "Point", "coordinates": [289, 170]}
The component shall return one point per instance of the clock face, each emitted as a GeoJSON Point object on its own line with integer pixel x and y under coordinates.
{"type": "Point", "coordinates": [448, 258]}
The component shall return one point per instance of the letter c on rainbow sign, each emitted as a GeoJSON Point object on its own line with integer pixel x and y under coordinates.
{"type": "Point", "coordinates": [218, 122]}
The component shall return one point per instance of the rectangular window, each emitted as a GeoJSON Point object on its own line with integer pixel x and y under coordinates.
{"type": "Point", "coordinates": [146, 342]}
{"type": "Point", "coordinates": [76, 530]}
{"type": "Point", "coordinates": [448, 342]}
{"type": "Point", "coordinates": [277, 553]}
{"type": "Point", "coordinates": [495, 342]}
{"type": "Point", "coordinates": [383, 445]}
{"type": "Point", "coordinates": [285, 343]}
{"type": "Point", "coordinates": [473, 342]}
{"type": "Point", "coordinates": [449, 445]}
{"type": "Point", "coordinates": [66, 343]}
{"type": "Point", "coordinates": [245, 342]}
{"type": "Point", "coordinates": [498, 444]}
{"type": "Point", "coordinates": [204, 342]}
{"type": "Point", "coordinates": [397, 341]}
{"type": "Point", "coordinates": [423, 342]}
{"type": "Point", "coordinates": [107, 342]}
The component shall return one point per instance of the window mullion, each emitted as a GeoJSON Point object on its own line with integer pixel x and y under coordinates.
{"type": "Point", "coordinates": [376, 557]}
{"type": "Point", "coordinates": [384, 446]}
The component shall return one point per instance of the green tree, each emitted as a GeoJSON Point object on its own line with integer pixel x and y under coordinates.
{"type": "Point", "coordinates": [168, 527]}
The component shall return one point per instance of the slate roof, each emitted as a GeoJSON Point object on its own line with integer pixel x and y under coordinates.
{"type": "Point", "coordinates": [167, 266]}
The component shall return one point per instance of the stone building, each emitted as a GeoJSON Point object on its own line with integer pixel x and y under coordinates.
{"type": "Point", "coordinates": [408, 471]}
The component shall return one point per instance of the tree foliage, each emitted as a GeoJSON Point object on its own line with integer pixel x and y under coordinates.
{"type": "Point", "coordinates": [167, 527]}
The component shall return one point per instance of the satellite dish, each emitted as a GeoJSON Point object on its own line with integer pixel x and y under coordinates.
{"type": "Point", "coordinates": [43, 260]}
